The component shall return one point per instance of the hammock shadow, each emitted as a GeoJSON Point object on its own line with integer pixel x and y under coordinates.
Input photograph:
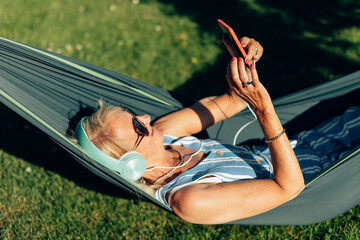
{"type": "Point", "coordinates": [294, 35]}
{"type": "Point", "coordinates": [25, 141]}
{"type": "Point", "coordinates": [322, 111]}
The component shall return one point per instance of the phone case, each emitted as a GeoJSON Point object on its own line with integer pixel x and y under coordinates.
{"type": "Point", "coordinates": [230, 32]}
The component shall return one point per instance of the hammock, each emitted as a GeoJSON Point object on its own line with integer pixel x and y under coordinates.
{"type": "Point", "coordinates": [49, 89]}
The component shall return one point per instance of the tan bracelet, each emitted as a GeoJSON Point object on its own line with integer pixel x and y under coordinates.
{"type": "Point", "coordinates": [273, 139]}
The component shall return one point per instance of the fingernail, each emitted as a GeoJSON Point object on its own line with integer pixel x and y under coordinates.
{"type": "Point", "coordinates": [247, 61]}
{"type": "Point", "coordinates": [251, 65]}
{"type": "Point", "coordinates": [240, 59]}
{"type": "Point", "coordinates": [233, 58]}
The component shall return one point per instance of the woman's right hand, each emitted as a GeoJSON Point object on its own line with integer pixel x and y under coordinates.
{"type": "Point", "coordinates": [253, 48]}
{"type": "Point", "coordinates": [246, 85]}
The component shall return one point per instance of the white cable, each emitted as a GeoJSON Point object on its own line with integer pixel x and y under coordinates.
{"type": "Point", "coordinates": [244, 126]}
{"type": "Point", "coordinates": [201, 146]}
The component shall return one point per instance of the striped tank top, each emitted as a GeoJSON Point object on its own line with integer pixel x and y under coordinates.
{"type": "Point", "coordinates": [223, 163]}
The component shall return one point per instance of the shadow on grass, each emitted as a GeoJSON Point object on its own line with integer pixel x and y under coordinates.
{"type": "Point", "coordinates": [25, 141]}
{"type": "Point", "coordinates": [294, 34]}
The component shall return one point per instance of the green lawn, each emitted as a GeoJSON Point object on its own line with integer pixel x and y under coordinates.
{"type": "Point", "coordinates": [45, 194]}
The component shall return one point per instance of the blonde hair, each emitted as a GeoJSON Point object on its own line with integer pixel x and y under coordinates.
{"type": "Point", "coordinates": [98, 132]}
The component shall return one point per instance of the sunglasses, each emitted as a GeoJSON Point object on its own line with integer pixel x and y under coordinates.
{"type": "Point", "coordinates": [139, 127]}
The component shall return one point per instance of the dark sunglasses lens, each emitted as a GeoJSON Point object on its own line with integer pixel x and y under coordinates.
{"type": "Point", "coordinates": [140, 128]}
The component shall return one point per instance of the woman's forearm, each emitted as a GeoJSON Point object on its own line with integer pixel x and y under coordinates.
{"type": "Point", "coordinates": [199, 116]}
{"type": "Point", "coordinates": [221, 107]}
{"type": "Point", "coordinates": [287, 172]}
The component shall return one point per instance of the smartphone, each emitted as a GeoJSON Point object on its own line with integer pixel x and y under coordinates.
{"type": "Point", "coordinates": [236, 45]}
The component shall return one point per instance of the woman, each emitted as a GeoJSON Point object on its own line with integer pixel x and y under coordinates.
{"type": "Point", "coordinates": [205, 181]}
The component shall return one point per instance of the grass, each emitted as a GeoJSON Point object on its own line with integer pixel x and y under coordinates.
{"type": "Point", "coordinates": [174, 45]}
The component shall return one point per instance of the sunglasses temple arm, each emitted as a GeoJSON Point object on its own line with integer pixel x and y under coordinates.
{"type": "Point", "coordinates": [138, 141]}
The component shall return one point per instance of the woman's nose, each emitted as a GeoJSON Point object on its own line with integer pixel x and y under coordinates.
{"type": "Point", "coordinates": [146, 119]}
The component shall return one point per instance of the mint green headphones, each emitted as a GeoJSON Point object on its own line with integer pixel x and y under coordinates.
{"type": "Point", "coordinates": [130, 165]}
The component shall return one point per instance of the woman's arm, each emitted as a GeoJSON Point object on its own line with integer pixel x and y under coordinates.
{"type": "Point", "coordinates": [225, 202]}
{"type": "Point", "coordinates": [199, 116]}
{"type": "Point", "coordinates": [210, 110]}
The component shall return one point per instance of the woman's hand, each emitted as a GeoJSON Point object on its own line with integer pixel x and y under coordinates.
{"type": "Point", "coordinates": [244, 83]}
{"type": "Point", "coordinates": [211, 110]}
{"type": "Point", "coordinates": [252, 47]}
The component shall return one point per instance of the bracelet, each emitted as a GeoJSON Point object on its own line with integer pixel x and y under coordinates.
{"type": "Point", "coordinates": [273, 139]}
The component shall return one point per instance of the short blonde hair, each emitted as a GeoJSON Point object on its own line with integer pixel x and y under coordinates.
{"type": "Point", "coordinates": [98, 132]}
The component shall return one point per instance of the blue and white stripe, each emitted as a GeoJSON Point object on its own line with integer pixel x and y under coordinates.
{"type": "Point", "coordinates": [319, 147]}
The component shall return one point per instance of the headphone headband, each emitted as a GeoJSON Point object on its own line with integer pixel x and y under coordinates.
{"type": "Point", "coordinates": [130, 165]}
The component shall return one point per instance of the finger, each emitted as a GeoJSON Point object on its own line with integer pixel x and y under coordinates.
{"type": "Point", "coordinates": [244, 41]}
{"type": "Point", "coordinates": [230, 79]}
{"type": "Point", "coordinates": [253, 51]}
{"type": "Point", "coordinates": [254, 75]}
{"type": "Point", "coordinates": [259, 51]}
{"type": "Point", "coordinates": [230, 82]}
{"type": "Point", "coordinates": [228, 44]}
{"type": "Point", "coordinates": [235, 72]}
{"type": "Point", "coordinates": [229, 74]}
{"type": "Point", "coordinates": [228, 71]}
{"type": "Point", "coordinates": [242, 71]}
{"type": "Point", "coordinates": [248, 73]}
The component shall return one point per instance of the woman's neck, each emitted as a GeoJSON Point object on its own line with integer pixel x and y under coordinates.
{"type": "Point", "coordinates": [168, 158]}
{"type": "Point", "coordinates": [173, 158]}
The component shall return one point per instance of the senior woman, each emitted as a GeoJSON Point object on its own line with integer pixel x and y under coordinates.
{"type": "Point", "coordinates": [207, 181]}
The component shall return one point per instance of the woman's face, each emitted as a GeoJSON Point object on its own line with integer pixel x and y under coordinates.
{"type": "Point", "coordinates": [121, 125]}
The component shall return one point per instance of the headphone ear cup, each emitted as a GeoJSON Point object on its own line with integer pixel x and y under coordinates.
{"type": "Point", "coordinates": [134, 165]}
{"type": "Point", "coordinates": [130, 165]}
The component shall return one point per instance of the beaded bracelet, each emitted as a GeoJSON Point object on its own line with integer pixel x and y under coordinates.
{"type": "Point", "coordinates": [273, 139]}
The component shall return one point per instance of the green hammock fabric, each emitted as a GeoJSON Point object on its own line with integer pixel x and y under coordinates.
{"type": "Point", "coordinates": [49, 89]}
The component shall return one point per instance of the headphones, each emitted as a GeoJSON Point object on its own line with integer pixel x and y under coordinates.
{"type": "Point", "coordinates": [130, 165]}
